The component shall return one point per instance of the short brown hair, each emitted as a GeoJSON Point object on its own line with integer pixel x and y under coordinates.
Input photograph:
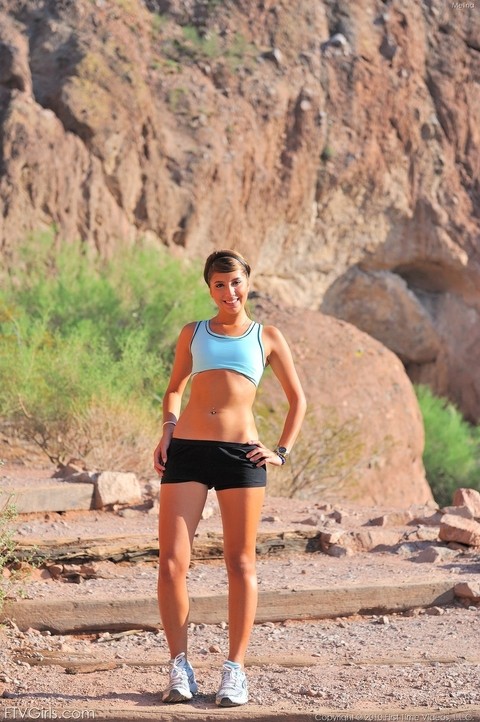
{"type": "Point", "coordinates": [224, 261]}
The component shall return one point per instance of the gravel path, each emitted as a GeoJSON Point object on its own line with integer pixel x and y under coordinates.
{"type": "Point", "coordinates": [425, 660]}
{"type": "Point", "coordinates": [428, 660]}
{"type": "Point", "coordinates": [299, 571]}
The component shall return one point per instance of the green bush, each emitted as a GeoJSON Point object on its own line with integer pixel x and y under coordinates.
{"type": "Point", "coordinates": [192, 45]}
{"type": "Point", "coordinates": [204, 45]}
{"type": "Point", "coordinates": [86, 347]}
{"type": "Point", "coordinates": [452, 447]}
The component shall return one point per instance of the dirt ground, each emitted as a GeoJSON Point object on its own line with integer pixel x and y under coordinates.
{"type": "Point", "coordinates": [369, 666]}
{"type": "Point", "coordinates": [425, 661]}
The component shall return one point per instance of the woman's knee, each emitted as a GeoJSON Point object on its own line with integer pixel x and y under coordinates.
{"type": "Point", "coordinates": [241, 565]}
{"type": "Point", "coordinates": [172, 568]}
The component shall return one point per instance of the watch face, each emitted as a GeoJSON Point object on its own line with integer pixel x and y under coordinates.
{"type": "Point", "coordinates": [282, 450]}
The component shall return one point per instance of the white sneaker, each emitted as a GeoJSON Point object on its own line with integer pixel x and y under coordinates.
{"type": "Point", "coordinates": [233, 689]}
{"type": "Point", "coordinates": [182, 685]}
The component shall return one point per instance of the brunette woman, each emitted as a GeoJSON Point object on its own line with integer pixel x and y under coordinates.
{"type": "Point", "coordinates": [213, 443]}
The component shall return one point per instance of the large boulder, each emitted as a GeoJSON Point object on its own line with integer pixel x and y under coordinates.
{"type": "Point", "coordinates": [362, 440]}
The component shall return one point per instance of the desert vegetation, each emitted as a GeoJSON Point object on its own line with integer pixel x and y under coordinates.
{"type": "Point", "coordinates": [86, 349]}
{"type": "Point", "coordinates": [452, 447]}
{"type": "Point", "coordinates": [86, 346]}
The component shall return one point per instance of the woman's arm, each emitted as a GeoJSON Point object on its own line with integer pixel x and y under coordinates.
{"type": "Point", "coordinates": [280, 359]}
{"type": "Point", "coordinates": [281, 362]}
{"type": "Point", "coordinates": [172, 400]}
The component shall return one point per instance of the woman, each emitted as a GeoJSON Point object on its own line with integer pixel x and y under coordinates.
{"type": "Point", "coordinates": [213, 443]}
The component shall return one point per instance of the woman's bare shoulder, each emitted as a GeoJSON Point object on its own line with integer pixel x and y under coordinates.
{"type": "Point", "coordinates": [272, 333]}
{"type": "Point", "coordinates": [189, 328]}
{"type": "Point", "coordinates": [186, 334]}
{"type": "Point", "coordinates": [273, 340]}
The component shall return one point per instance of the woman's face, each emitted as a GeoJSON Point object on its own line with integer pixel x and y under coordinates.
{"type": "Point", "coordinates": [229, 291]}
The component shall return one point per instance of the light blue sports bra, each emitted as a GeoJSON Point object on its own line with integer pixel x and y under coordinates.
{"type": "Point", "coordinates": [243, 354]}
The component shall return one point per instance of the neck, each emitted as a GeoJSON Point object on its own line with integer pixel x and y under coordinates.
{"type": "Point", "coordinates": [236, 321]}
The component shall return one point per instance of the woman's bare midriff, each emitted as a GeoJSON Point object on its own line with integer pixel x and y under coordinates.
{"type": "Point", "coordinates": [219, 408]}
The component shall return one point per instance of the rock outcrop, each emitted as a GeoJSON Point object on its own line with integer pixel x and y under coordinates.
{"type": "Point", "coordinates": [337, 144]}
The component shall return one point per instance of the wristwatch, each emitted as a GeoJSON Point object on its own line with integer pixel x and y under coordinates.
{"type": "Point", "coordinates": [282, 452]}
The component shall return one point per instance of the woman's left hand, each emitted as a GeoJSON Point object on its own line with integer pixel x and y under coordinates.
{"type": "Point", "coordinates": [261, 456]}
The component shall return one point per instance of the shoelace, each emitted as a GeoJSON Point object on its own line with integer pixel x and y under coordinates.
{"type": "Point", "coordinates": [176, 674]}
{"type": "Point", "coordinates": [229, 678]}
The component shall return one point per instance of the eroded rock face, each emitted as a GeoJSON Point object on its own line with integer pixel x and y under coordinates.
{"type": "Point", "coordinates": [336, 144]}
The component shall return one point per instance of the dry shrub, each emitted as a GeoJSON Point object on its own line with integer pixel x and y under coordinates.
{"type": "Point", "coordinates": [110, 435]}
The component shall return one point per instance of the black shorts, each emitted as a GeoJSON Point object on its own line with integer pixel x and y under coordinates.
{"type": "Point", "coordinates": [218, 464]}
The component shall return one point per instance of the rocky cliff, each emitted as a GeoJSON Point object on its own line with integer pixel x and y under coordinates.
{"type": "Point", "coordinates": [335, 143]}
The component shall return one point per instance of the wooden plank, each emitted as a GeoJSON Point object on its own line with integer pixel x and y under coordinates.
{"type": "Point", "coordinates": [50, 496]}
{"type": "Point", "coordinates": [138, 547]}
{"type": "Point", "coordinates": [345, 601]}
{"type": "Point", "coordinates": [85, 662]}
{"type": "Point", "coordinates": [63, 616]}
{"type": "Point", "coordinates": [131, 547]}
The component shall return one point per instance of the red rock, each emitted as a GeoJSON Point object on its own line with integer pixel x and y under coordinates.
{"type": "Point", "coordinates": [432, 518]}
{"type": "Point", "coordinates": [115, 487]}
{"type": "Point", "coordinates": [55, 570]}
{"type": "Point", "coordinates": [396, 518]}
{"type": "Point", "coordinates": [468, 590]}
{"type": "Point", "coordinates": [434, 611]}
{"type": "Point", "coordinates": [363, 432]}
{"type": "Point", "coordinates": [424, 533]}
{"type": "Point", "coordinates": [469, 498]}
{"type": "Point", "coordinates": [368, 539]}
{"type": "Point", "coordinates": [458, 511]}
{"type": "Point", "coordinates": [457, 529]}
{"type": "Point", "coordinates": [430, 555]}
{"type": "Point", "coordinates": [333, 537]}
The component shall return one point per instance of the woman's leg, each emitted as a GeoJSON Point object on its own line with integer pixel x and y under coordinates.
{"type": "Point", "coordinates": [240, 509]}
{"type": "Point", "coordinates": [181, 507]}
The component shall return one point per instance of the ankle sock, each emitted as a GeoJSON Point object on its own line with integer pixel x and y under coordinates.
{"type": "Point", "coordinates": [183, 659]}
{"type": "Point", "coordinates": [233, 665]}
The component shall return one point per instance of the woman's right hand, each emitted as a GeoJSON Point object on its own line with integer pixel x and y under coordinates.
{"type": "Point", "coordinates": [160, 454]}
